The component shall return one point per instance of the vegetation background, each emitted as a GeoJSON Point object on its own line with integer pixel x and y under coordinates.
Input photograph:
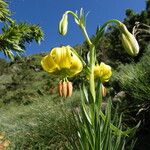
{"type": "Point", "coordinates": [33, 116]}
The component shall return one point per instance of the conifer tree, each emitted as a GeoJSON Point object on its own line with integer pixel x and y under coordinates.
{"type": "Point", "coordinates": [15, 35]}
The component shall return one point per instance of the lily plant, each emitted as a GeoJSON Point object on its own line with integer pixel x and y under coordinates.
{"type": "Point", "coordinates": [95, 128]}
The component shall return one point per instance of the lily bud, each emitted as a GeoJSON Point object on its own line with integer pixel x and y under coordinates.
{"type": "Point", "coordinates": [70, 89]}
{"type": "Point", "coordinates": [129, 41]}
{"type": "Point", "coordinates": [60, 88]}
{"type": "Point", "coordinates": [65, 89]}
{"type": "Point", "coordinates": [63, 25]}
{"type": "Point", "coordinates": [104, 91]}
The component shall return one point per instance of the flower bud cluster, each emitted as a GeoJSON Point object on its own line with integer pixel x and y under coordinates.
{"type": "Point", "coordinates": [65, 88]}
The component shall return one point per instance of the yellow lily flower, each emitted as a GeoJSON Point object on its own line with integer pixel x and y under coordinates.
{"type": "Point", "coordinates": [62, 61]}
{"type": "Point", "coordinates": [102, 71]}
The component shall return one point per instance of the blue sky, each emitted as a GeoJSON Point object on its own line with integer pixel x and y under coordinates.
{"type": "Point", "coordinates": [47, 14]}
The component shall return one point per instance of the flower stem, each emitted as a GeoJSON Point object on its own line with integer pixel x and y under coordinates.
{"type": "Point", "coordinates": [86, 35]}
{"type": "Point", "coordinates": [103, 27]}
{"type": "Point", "coordinates": [92, 61]}
{"type": "Point", "coordinates": [92, 64]}
{"type": "Point", "coordinates": [92, 53]}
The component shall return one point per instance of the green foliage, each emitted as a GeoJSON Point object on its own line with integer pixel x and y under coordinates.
{"type": "Point", "coordinates": [3, 65]}
{"type": "Point", "coordinates": [45, 129]}
{"type": "Point", "coordinates": [4, 11]}
{"type": "Point", "coordinates": [34, 118]}
{"type": "Point", "coordinates": [14, 36]}
{"type": "Point", "coordinates": [96, 130]}
{"type": "Point", "coordinates": [23, 80]}
{"type": "Point", "coordinates": [110, 49]}
{"type": "Point", "coordinates": [134, 79]}
{"type": "Point", "coordinates": [45, 124]}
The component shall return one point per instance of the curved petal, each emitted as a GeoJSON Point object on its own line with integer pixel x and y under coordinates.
{"type": "Point", "coordinates": [66, 57]}
{"type": "Point", "coordinates": [105, 72]}
{"type": "Point", "coordinates": [48, 64]}
{"type": "Point", "coordinates": [56, 54]}
{"type": "Point", "coordinates": [76, 64]}
{"type": "Point", "coordinates": [97, 71]}
{"type": "Point", "coordinates": [61, 56]}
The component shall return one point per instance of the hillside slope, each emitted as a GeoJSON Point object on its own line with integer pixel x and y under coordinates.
{"type": "Point", "coordinates": [23, 80]}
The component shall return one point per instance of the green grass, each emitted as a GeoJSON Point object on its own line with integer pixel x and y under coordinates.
{"type": "Point", "coordinates": [134, 79]}
{"type": "Point", "coordinates": [47, 123]}
{"type": "Point", "coordinates": [33, 119]}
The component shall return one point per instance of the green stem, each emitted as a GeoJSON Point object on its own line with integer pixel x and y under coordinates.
{"type": "Point", "coordinates": [103, 27]}
{"type": "Point", "coordinates": [110, 21]}
{"type": "Point", "coordinates": [92, 61]}
{"type": "Point", "coordinates": [73, 14]}
{"type": "Point", "coordinates": [114, 128]}
{"type": "Point", "coordinates": [86, 35]}
{"type": "Point", "coordinates": [92, 53]}
{"type": "Point", "coordinates": [92, 64]}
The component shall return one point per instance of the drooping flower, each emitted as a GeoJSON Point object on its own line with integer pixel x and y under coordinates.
{"type": "Point", "coordinates": [129, 41]}
{"type": "Point", "coordinates": [103, 72]}
{"type": "Point", "coordinates": [62, 61]}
